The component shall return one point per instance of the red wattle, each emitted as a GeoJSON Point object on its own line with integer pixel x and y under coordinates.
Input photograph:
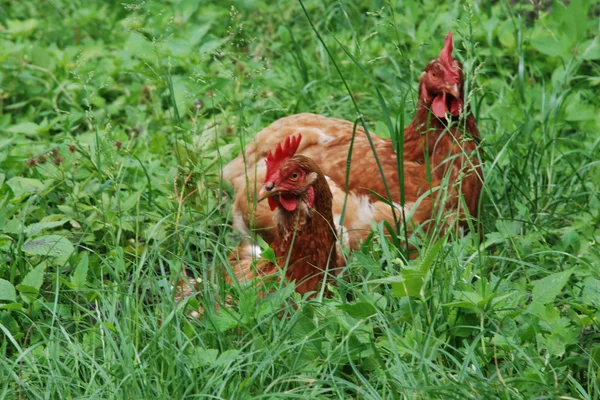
{"type": "Point", "coordinates": [288, 202]}
{"type": "Point", "coordinates": [439, 106]}
{"type": "Point", "coordinates": [272, 203]}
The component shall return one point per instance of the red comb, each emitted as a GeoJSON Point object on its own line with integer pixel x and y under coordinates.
{"type": "Point", "coordinates": [446, 57]}
{"type": "Point", "coordinates": [282, 153]}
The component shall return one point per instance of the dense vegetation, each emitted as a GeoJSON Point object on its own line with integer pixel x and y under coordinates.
{"type": "Point", "coordinates": [116, 118]}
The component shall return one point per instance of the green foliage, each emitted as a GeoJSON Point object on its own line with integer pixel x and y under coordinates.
{"type": "Point", "coordinates": [116, 118]}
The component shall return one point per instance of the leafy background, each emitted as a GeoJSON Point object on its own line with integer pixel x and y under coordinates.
{"type": "Point", "coordinates": [116, 118]}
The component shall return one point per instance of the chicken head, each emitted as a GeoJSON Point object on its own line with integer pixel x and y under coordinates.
{"type": "Point", "coordinates": [287, 182]}
{"type": "Point", "coordinates": [441, 83]}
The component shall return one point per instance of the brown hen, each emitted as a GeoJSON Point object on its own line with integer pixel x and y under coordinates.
{"type": "Point", "coordinates": [442, 169]}
{"type": "Point", "coordinates": [304, 239]}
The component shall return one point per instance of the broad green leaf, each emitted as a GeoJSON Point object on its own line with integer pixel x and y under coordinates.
{"type": "Point", "coordinates": [572, 18]}
{"type": "Point", "coordinates": [211, 45]}
{"type": "Point", "coordinates": [411, 284]}
{"type": "Point", "coordinates": [130, 202]}
{"type": "Point", "coordinates": [570, 239]}
{"type": "Point", "coordinates": [205, 141]}
{"type": "Point", "coordinates": [79, 276]}
{"type": "Point", "coordinates": [196, 33]}
{"type": "Point", "coordinates": [595, 354]}
{"type": "Point", "coordinates": [2, 177]}
{"type": "Point", "coordinates": [14, 225]}
{"type": "Point", "coordinates": [591, 292]}
{"type": "Point", "coordinates": [187, 8]}
{"type": "Point", "coordinates": [140, 47]}
{"type": "Point", "coordinates": [498, 300]}
{"type": "Point", "coordinates": [110, 326]}
{"type": "Point", "coordinates": [358, 310]}
{"type": "Point", "coordinates": [305, 328]}
{"type": "Point", "coordinates": [227, 356]}
{"type": "Point", "coordinates": [21, 28]}
{"type": "Point", "coordinates": [508, 229]}
{"type": "Point", "coordinates": [269, 255]}
{"type": "Point", "coordinates": [203, 357]}
{"type": "Point", "coordinates": [583, 113]}
{"type": "Point", "coordinates": [267, 252]}
{"type": "Point", "coordinates": [247, 303]}
{"type": "Point", "coordinates": [368, 263]}
{"type": "Point", "coordinates": [590, 49]}
{"type": "Point", "coordinates": [177, 47]}
{"type": "Point", "coordinates": [551, 43]}
{"type": "Point", "coordinates": [7, 291]}
{"type": "Point", "coordinates": [50, 245]}
{"type": "Point", "coordinates": [8, 322]}
{"type": "Point", "coordinates": [11, 306]}
{"type": "Point", "coordinates": [578, 109]}
{"type": "Point", "coordinates": [470, 300]}
{"type": "Point", "coordinates": [27, 128]}
{"type": "Point", "coordinates": [34, 229]}
{"type": "Point", "coordinates": [185, 153]}
{"type": "Point", "coordinates": [225, 321]}
{"type": "Point", "coordinates": [28, 293]}
{"type": "Point", "coordinates": [34, 278]}
{"type": "Point", "coordinates": [272, 303]}
{"type": "Point", "coordinates": [414, 279]}
{"type": "Point", "coordinates": [284, 34]}
{"type": "Point", "coordinates": [430, 256]}
{"type": "Point", "coordinates": [555, 344]}
{"type": "Point", "coordinates": [546, 289]}
{"type": "Point", "coordinates": [31, 284]}
{"type": "Point", "coordinates": [506, 35]}
{"type": "Point", "coordinates": [25, 186]}
{"type": "Point", "coordinates": [40, 56]}
{"type": "Point", "coordinates": [158, 144]}
{"type": "Point", "coordinates": [4, 122]}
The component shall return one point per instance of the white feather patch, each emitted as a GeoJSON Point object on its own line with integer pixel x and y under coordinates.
{"type": "Point", "coordinates": [256, 251]}
{"type": "Point", "coordinates": [310, 178]}
{"type": "Point", "coordinates": [341, 230]}
{"type": "Point", "coordinates": [365, 211]}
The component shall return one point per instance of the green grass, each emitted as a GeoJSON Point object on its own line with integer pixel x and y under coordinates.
{"type": "Point", "coordinates": [112, 114]}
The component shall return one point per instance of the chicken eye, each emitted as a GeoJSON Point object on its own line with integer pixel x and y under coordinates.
{"type": "Point", "coordinates": [434, 75]}
{"type": "Point", "coordinates": [294, 176]}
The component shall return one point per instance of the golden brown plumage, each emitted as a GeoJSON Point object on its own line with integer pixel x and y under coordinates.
{"type": "Point", "coordinates": [436, 137]}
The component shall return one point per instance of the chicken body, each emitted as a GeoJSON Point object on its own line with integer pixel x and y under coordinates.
{"type": "Point", "coordinates": [442, 170]}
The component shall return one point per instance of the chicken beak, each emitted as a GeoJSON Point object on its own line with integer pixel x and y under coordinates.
{"type": "Point", "coordinates": [453, 90]}
{"type": "Point", "coordinates": [267, 190]}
